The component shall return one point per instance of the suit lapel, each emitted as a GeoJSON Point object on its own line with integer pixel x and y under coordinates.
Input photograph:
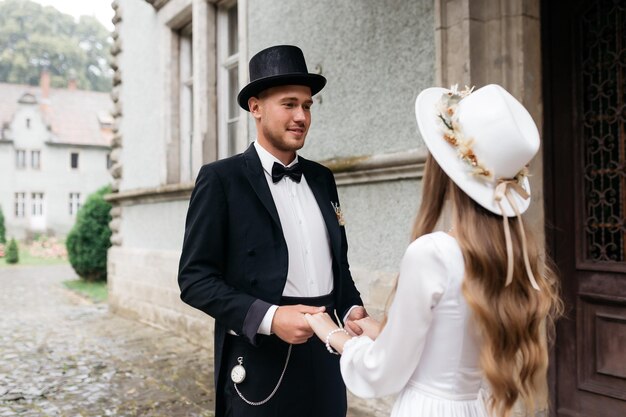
{"type": "Point", "coordinates": [256, 177]}
{"type": "Point", "coordinates": [320, 191]}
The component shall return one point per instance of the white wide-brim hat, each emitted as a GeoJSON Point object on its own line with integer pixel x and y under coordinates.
{"type": "Point", "coordinates": [505, 139]}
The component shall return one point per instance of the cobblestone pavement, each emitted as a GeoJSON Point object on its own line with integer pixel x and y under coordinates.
{"type": "Point", "coordinates": [63, 356]}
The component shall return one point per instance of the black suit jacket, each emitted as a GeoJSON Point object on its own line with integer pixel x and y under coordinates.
{"type": "Point", "coordinates": [234, 260]}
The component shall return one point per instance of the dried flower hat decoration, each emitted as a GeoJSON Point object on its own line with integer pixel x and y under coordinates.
{"type": "Point", "coordinates": [453, 133]}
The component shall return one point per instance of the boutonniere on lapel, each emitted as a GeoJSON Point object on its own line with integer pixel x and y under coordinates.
{"type": "Point", "coordinates": [338, 213]}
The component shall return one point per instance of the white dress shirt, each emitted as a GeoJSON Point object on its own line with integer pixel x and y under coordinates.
{"type": "Point", "coordinates": [310, 271]}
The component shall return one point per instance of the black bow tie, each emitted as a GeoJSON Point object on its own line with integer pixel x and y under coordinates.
{"type": "Point", "coordinates": [279, 171]}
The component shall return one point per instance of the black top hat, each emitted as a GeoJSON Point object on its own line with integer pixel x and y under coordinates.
{"type": "Point", "coordinates": [278, 65]}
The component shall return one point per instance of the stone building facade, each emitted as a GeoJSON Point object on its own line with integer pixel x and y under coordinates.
{"type": "Point", "coordinates": [175, 87]}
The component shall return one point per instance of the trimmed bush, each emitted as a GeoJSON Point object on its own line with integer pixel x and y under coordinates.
{"type": "Point", "coordinates": [3, 231]}
{"type": "Point", "coordinates": [88, 241]}
{"type": "Point", "coordinates": [12, 254]}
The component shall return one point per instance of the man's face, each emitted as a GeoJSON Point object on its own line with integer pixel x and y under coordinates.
{"type": "Point", "coordinates": [283, 117]}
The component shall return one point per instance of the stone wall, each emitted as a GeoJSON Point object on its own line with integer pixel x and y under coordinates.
{"type": "Point", "coordinates": [377, 56]}
{"type": "Point", "coordinates": [142, 285]}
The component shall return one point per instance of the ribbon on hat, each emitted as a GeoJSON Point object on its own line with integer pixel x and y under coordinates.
{"type": "Point", "coordinates": [503, 191]}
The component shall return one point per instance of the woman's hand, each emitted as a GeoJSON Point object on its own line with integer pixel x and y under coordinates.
{"type": "Point", "coordinates": [321, 324]}
{"type": "Point", "coordinates": [371, 328]}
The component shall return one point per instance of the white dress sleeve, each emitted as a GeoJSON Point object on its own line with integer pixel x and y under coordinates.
{"type": "Point", "coordinates": [383, 367]}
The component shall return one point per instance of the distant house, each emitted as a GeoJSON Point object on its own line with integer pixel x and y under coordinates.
{"type": "Point", "coordinates": [54, 151]}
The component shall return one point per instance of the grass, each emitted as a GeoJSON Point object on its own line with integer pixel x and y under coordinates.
{"type": "Point", "coordinates": [95, 291]}
{"type": "Point", "coordinates": [26, 259]}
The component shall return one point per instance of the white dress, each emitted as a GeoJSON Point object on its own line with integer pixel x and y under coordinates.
{"type": "Point", "coordinates": [429, 350]}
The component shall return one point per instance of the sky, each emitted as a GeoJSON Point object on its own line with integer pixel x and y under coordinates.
{"type": "Point", "coordinates": [100, 9]}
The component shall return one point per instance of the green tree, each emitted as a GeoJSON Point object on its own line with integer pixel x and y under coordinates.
{"type": "Point", "coordinates": [12, 255]}
{"type": "Point", "coordinates": [3, 230]}
{"type": "Point", "coordinates": [34, 38]}
{"type": "Point", "coordinates": [90, 238]}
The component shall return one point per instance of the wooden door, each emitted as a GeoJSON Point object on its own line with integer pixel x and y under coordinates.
{"type": "Point", "coordinates": [584, 58]}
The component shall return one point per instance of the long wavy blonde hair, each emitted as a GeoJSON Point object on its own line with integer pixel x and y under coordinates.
{"type": "Point", "coordinates": [512, 320]}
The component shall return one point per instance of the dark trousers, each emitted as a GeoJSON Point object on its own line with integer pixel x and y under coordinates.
{"type": "Point", "coordinates": [311, 386]}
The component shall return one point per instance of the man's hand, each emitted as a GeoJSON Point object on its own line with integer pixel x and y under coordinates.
{"type": "Point", "coordinates": [290, 325]}
{"type": "Point", "coordinates": [351, 327]}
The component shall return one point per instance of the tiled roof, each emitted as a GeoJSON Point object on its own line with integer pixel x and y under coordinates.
{"type": "Point", "coordinates": [75, 116]}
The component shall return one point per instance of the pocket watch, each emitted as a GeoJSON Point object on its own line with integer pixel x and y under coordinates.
{"type": "Point", "coordinates": [238, 373]}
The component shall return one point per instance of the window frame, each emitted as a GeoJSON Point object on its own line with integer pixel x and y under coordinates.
{"type": "Point", "coordinates": [37, 204]}
{"type": "Point", "coordinates": [226, 62]}
{"type": "Point", "coordinates": [19, 210]}
{"type": "Point", "coordinates": [32, 159]}
{"type": "Point", "coordinates": [72, 167]}
{"type": "Point", "coordinates": [74, 203]}
{"type": "Point", "coordinates": [185, 84]}
{"type": "Point", "coordinates": [20, 159]}
{"type": "Point", "coordinates": [205, 144]}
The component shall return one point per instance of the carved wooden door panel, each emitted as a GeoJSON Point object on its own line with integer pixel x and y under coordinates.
{"type": "Point", "coordinates": [584, 55]}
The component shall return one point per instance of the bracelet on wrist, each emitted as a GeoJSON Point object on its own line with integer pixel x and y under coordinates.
{"type": "Point", "coordinates": [332, 332]}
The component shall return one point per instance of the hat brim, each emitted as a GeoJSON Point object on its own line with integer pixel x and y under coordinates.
{"type": "Point", "coordinates": [479, 190]}
{"type": "Point", "coordinates": [314, 81]}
